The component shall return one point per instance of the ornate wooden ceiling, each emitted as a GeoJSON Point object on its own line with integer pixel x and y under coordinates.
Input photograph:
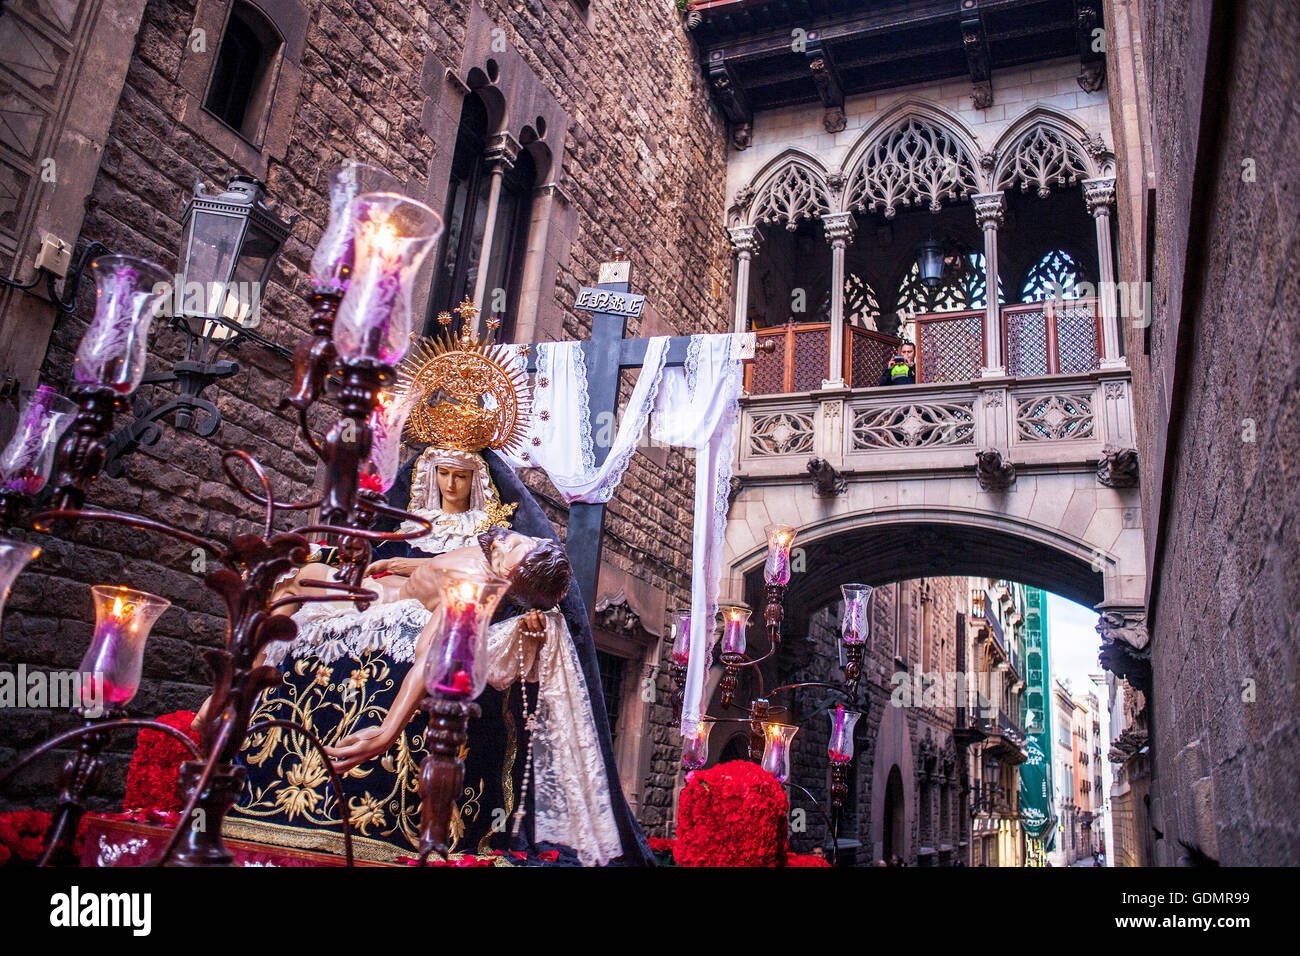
{"type": "Point", "coordinates": [760, 54]}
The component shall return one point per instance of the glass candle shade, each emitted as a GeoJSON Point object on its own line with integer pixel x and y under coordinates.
{"type": "Point", "coordinates": [779, 539]}
{"type": "Point", "coordinates": [682, 637]}
{"type": "Point", "coordinates": [123, 620]}
{"type": "Point", "coordinates": [840, 746]}
{"type": "Point", "coordinates": [457, 666]}
{"type": "Point", "coordinates": [14, 556]}
{"type": "Point", "coordinates": [26, 461]}
{"type": "Point", "coordinates": [855, 626]}
{"type": "Point", "coordinates": [331, 264]}
{"type": "Point", "coordinates": [393, 235]}
{"type": "Point", "coordinates": [695, 747]}
{"type": "Point", "coordinates": [128, 292]}
{"type": "Point", "coordinates": [776, 750]}
{"type": "Point", "coordinates": [386, 424]}
{"type": "Point", "coordinates": [735, 619]}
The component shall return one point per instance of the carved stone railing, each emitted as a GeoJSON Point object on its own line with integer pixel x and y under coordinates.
{"type": "Point", "coordinates": [1048, 422]}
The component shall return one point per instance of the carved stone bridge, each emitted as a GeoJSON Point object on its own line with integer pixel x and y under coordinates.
{"type": "Point", "coordinates": [1031, 479]}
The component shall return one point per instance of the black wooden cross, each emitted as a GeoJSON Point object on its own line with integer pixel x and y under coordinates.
{"type": "Point", "coordinates": [607, 355]}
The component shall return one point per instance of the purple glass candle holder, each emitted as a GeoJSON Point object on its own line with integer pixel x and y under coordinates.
{"type": "Point", "coordinates": [112, 665]}
{"type": "Point", "coordinates": [26, 461]}
{"type": "Point", "coordinates": [776, 750]}
{"type": "Point", "coordinates": [393, 235]}
{"type": "Point", "coordinates": [14, 556]}
{"type": "Point", "coordinates": [331, 264]}
{"type": "Point", "coordinates": [735, 619]}
{"type": "Point", "coordinates": [855, 626]}
{"type": "Point", "coordinates": [695, 747]}
{"type": "Point", "coordinates": [128, 292]}
{"type": "Point", "coordinates": [840, 747]}
{"type": "Point", "coordinates": [457, 665]}
{"type": "Point", "coordinates": [780, 537]}
{"type": "Point", "coordinates": [386, 424]}
{"type": "Point", "coordinates": [682, 637]}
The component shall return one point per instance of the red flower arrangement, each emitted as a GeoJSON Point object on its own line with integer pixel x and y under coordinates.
{"type": "Point", "coordinates": [156, 765]}
{"type": "Point", "coordinates": [806, 859]}
{"type": "Point", "coordinates": [733, 814]}
{"type": "Point", "coordinates": [22, 836]}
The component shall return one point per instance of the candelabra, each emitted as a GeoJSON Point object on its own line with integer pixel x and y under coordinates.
{"type": "Point", "coordinates": [361, 296]}
{"type": "Point", "coordinates": [770, 738]}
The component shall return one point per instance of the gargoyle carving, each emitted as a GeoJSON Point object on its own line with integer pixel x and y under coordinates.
{"type": "Point", "coordinates": [992, 471]}
{"type": "Point", "coordinates": [827, 482]}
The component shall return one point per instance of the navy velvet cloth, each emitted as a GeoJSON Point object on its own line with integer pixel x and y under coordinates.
{"type": "Point", "coordinates": [529, 519]}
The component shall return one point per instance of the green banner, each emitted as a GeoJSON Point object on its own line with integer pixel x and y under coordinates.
{"type": "Point", "coordinates": [1036, 813]}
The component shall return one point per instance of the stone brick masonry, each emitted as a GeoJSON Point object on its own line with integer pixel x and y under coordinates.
{"type": "Point", "coordinates": [645, 171]}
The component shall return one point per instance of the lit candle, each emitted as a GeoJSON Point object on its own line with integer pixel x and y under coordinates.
{"type": "Point", "coordinates": [115, 658]}
{"type": "Point", "coordinates": [456, 665]}
{"type": "Point", "coordinates": [386, 424]}
{"type": "Point", "coordinates": [776, 753]}
{"type": "Point", "coordinates": [695, 747]}
{"type": "Point", "coordinates": [779, 539]}
{"type": "Point", "coordinates": [733, 637]}
{"type": "Point", "coordinates": [393, 235]}
{"type": "Point", "coordinates": [331, 264]}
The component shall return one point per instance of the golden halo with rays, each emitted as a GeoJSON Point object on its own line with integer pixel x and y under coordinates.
{"type": "Point", "coordinates": [483, 398]}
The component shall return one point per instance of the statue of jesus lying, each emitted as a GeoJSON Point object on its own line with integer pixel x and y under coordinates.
{"type": "Point", "coordinates": [355, 679]}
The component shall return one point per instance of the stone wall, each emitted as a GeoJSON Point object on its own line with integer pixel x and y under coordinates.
{"type": "Point", "coordinates": [1216, 379]}
{"type": "Point", "coordinates": [644, 170]}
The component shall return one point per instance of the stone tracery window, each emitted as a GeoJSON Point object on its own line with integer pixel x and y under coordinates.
{"type": "Point", "coordinates": [1042, 158]}
{"type": "Point", "coordinates": [1055, 276]}
{"type": "Point", "coordinates": [916, 162]}
{"type": "Point", "coordinates": [795, 193]}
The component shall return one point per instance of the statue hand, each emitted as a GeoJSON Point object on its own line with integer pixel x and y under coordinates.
{"type": "Point", "coordinates": [357, 748]}
{"type": "Point", "coordinates": [533, 626]}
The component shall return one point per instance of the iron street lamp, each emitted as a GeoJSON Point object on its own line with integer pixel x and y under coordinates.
{"type": "Point", "coordinates": [229, 244]}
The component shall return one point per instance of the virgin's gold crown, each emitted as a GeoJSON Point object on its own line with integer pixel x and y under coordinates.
{"type": "Point", "coordinates": [479, 393]}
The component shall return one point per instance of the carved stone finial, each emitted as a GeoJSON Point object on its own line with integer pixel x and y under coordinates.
{"type": "Point", "coordinates": [1118, 467]}
{"type": "Point", "coordinates": [992, 471]}
{"type": "Point", "coordinates": [827, 482]}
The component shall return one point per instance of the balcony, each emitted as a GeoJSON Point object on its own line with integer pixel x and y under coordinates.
{"type": "Point", "coordinates": [1005, 736]}
{"type": "Point", "coordinates": [1040, 339]}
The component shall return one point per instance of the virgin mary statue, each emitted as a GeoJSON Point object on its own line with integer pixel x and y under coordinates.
{"type": "Point", "coordinates": [539, 769]}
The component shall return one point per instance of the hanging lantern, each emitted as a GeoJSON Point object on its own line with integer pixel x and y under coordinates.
{"type": "Point", "coordinates": [929, 263]}
{"type": "Point", "coordinates": [229, 244]}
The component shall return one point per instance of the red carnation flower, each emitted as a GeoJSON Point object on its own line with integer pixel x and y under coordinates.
{"type": "Point", "coordinates": [733, 814]}
{"type": "Point", "coordinates": [155, 766]}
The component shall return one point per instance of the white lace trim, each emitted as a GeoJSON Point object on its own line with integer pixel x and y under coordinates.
{"type": "Point", "coordinates": [622, 457]}
{"type": "Point", "coordinates": [572, 805]}
{"type": "Point", "coordinates": [587, 444]}
{"type": "Point", "coordinates": [329, 633]}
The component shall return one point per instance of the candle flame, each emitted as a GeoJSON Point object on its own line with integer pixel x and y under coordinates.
{"type": "Point", "coordinates": [119, 608]}
{"type": "Point", "coordinates": [463, 592]}
{"type": "Point", "coordinates": [737, 614]}
{"type": "Point", "coordinates": [385, 240]}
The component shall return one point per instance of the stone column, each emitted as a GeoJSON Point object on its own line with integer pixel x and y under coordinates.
{"type": "Point", "coordinates": [502, 151]}
{"type": "Point", "coordinates": [1099, 194]}
{"type": "Point", "coordinates": [744, 242]}
{"type": "Point", "coordinates": [989, 209]}
{"type": "Point", "coordinates": [839, 233]}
